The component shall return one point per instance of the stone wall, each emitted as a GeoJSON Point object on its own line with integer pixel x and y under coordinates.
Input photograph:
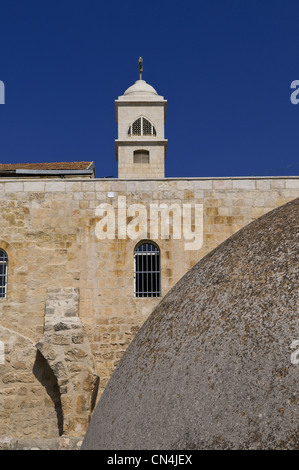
{"type": "Point", "coordinates": [128, 169]}
{"type": "Point", "coordinates": [48, 229]}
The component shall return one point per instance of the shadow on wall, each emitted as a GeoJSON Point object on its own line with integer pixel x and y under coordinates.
{"type": "Point", "coordinates": [44, 374]}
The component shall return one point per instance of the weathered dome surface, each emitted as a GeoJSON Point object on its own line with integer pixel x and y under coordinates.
{"type": "Point", "coordinates": [140, 87]}
{"type": "Point", "coordinates": [211, 368]}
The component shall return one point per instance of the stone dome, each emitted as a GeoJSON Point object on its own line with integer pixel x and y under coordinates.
{"type": "Point", "coordinates": [213, 366]}
{"type": "Point", "coordinates": [140, 87]}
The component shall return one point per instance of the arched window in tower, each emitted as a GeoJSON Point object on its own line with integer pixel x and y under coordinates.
{"type": "Point", "coordinates": [136, 127]}
{"type": "Point", "coordinates": [3, 274]}
{"type": "Point", "coordinates": [147, 127]}
{"type": "Point", "coordinates": [142, 126]}
{"type": "Point", "coordinates": [141, 156]}
{"type": "Point", "coordinates": [147, 270]}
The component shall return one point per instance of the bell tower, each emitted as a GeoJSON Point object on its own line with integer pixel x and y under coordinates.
{"type": "Point", "coordinates": [141, 147]}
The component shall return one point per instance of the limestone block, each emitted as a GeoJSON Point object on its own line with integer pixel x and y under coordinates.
{"type": "Point", "coordinates": [73, 187]}
{"type": "Point", "coordinates": [13, 187]}
{"type": "Point", "coordinates": [222, 184]}
{"type": "Point", "coordinates": [244, 184]}
{"type": "Point", "coordinates": [277, 183]}
{"type": "Point", "coordinates": [55, 186]}
{"type": "Point", "coordinates": [264, 185]}
{"type": "Point", "coordinates": [292, 184]}
{"type": "Point", "coordinates": [34, 186]}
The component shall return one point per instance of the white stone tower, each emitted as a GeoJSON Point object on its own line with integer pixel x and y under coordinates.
{"type": "Point", "coordinates": [141, 146]}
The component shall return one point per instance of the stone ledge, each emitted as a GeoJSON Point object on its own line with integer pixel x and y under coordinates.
{"type": "Point", "coordinates": [14, 180]}
{"type": "Point", "coordinates": [59, 443]}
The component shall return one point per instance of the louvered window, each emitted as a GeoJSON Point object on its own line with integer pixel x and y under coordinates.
{"type": "Point", "coordinates": [141, 156]}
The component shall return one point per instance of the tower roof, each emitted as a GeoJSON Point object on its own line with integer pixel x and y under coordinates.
{"type": "Point", "coordinates": [140, 87]}
{"type": "Point", "coordinates": [141, 91]}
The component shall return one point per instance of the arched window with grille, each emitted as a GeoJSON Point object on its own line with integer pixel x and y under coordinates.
{"type": "Point", "coordinates": [142, 126]}
{"type": "Point", "coordinates": [3, 274]}
{"type": "Point", "coordinates": [147, 271]}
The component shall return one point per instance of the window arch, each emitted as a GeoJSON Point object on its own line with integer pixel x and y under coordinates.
{"type": "Point", "coordinates": [3, 274]}
{"type": "Point", "coordinates": [142, 126]}
{"type": "Point", "coordinates": [141, 156]}
{"type": "Point", "coordinates": [147, 271]}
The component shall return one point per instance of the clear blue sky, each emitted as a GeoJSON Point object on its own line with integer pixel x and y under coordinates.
{"type": "Point", "coordinates": [225, 67]}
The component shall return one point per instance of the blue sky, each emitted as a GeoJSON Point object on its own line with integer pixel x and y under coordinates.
{"type": "Point", "coordinates": [224, 66]}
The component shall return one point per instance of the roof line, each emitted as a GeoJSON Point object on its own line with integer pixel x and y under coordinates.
{"type": "Point", "coordinates": [53, 172]}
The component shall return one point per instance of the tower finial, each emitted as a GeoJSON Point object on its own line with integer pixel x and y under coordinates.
{"type": "Point", "coordinates": [140, 62]}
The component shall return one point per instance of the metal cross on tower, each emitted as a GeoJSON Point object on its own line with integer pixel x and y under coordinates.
{"type": "Point", "coordinates": [140, 62]}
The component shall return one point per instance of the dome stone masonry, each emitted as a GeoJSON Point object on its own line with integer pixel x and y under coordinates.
{"type": "Point", "coordinates": [142, 92]}
{"type": "Point", "coordinates": [140, 87]}
{"type": "Point", "coordinates": [213, 366]}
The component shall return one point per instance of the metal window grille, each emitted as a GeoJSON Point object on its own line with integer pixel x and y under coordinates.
{"type": "Point", "coordinates": [141, 156]}
{"type": "Point", "coordinates": [147, 127]}
{"type": "Point", "coordinates": [142, 127]}
{"type": "Point", "coordinates": [147, 270]}
{"type": "Point", "coordinates": [136, 127]}
{"type": "Point", "coordinates": [3, 274]}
